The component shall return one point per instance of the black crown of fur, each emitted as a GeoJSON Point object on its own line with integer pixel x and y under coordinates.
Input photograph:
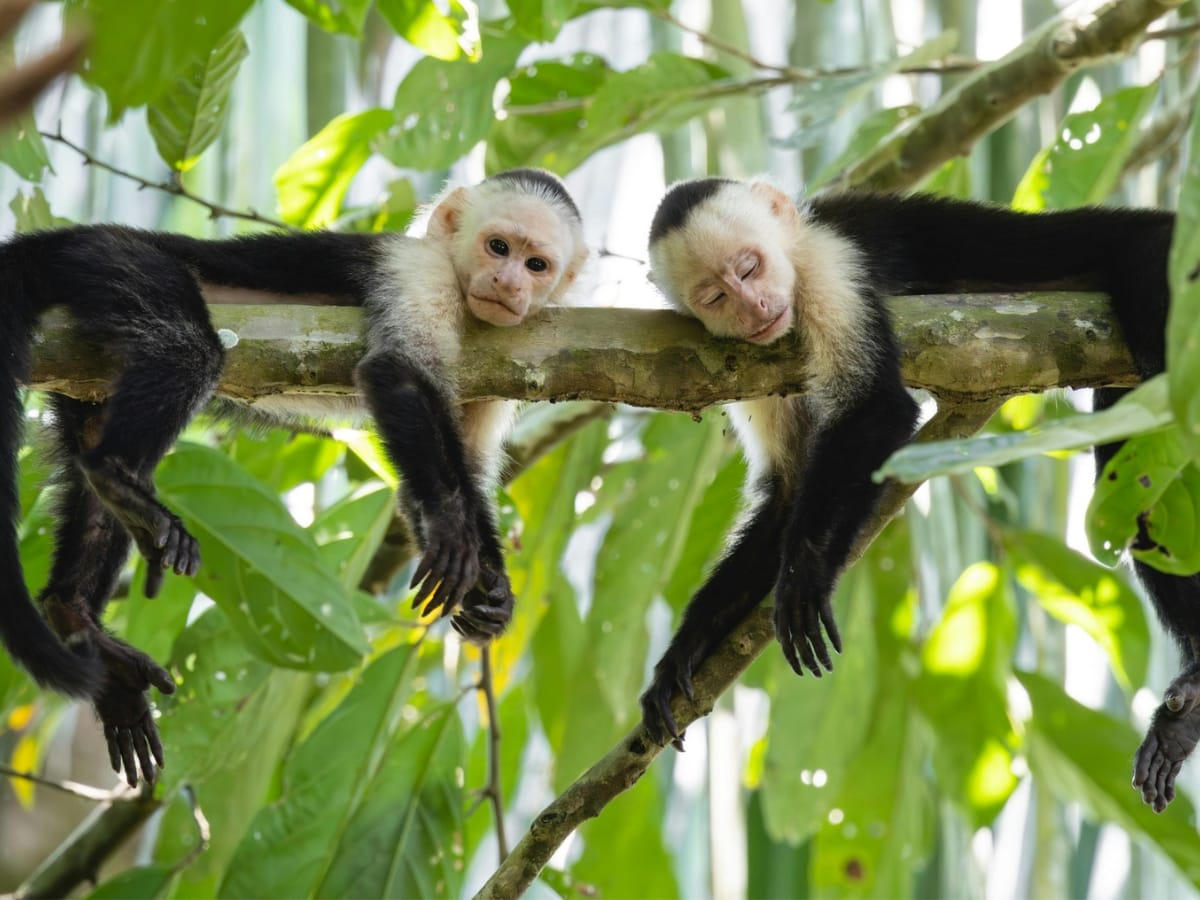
{"type": "Point", "coordinates": [678, 202]}
{"type": "Point", "coordinates": [539, 181]}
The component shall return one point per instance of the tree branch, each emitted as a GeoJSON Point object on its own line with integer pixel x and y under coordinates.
{"type": "Point", "coordinates": [957, 347]}
{"type": "Point", "coordinates": [991, 96]}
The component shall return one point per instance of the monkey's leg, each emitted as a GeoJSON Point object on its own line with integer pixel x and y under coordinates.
{"type": "Point", "coordinates": [737, 585]}
{"type": "Point", "coordinates": [1173, 734]}
{"type": "Point", "coordinates": [834, 502]}
{"type": "Point", "coordinates": [90, 550]}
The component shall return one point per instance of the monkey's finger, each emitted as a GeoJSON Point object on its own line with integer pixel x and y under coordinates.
{"type": "Point", "coordinates": [114, 755]}
{"type": "Point", "coordinates": [158, 676]}
{"type": "Point", "coordinates": [815, 642]}
{"type": "Point", "coordinates": [154, 580]}
{"type": "Point", "coordinates": [423, 568]}
{"type": "Point", "coordinates": [156, 746]}
{"type": "Point", "coordinates": [142, 746]}
{"type": "Point", "coordinates": [170, 550]}
{"type": "Point", "coordinates": [1150, 788]}
{"type": "Point", "coordinates": [1169, 787]}
{"type": "Point", "coordinates": [125, 745]}
{"type": "Point", "coordinates": [1141, 764]}
{"type": "Point", "coordinates": [667, 717]}
{"type": "Point", "coordinates": [193, 560]}
{"type": "Point", "coordinates": [831, 628]}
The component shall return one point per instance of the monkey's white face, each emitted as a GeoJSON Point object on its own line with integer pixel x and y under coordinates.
{"type": "Point", "coordinates": [516, 258]}
{"type": "Point", "coordinates": [728, 265]}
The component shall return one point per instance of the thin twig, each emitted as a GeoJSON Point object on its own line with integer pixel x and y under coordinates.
{"type": "Point", "coordinates": [173, 187]}
{"type": "Point", "coordinates": [74, 788]}
{"type": "Point", "coordinates": [1183, 29]}
{"type": "Point", "coordinates": [493, 789]}
{"type": "Point", "coordinates": [203, 830]}
{"type": "Point", "coordinates": [723, 47]}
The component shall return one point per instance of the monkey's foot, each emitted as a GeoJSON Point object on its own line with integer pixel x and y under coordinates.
{"type": "Point", "coordinates": [486, 611]}
{"type": "Point", "coordinates": [672, 676]}
{"type": "Point", "coordinates": [800, 613]}
{"type": "Point", "coordinates": [129, 728]}
{"type": "Point", "coordinates": [1173, 735]}
{"type": "Point", "coordinates": [449, 567]}
{"type": "Point", "coordinates": [159, 534]}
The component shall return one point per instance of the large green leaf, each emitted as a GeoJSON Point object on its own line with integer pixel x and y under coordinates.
{"type": "Point", "coordinates": [282, 459]}
{"type": "Point", "coordinates": [1077, 591]}
{"type": "Point", "coordinates": [541, 20]}
{"type": "Point", "coordinates": [22, 148]}
{"type": "Point", "coordinates": [1151, 488]}
{"type": "Point", "coordinates": [136, 883]}
{"type": "Point", "coordinates": [653, 499]}
{"type": "Point", "coordinates": [812, 740]}
{"type": "Point", "coordinates": [314, 180]}
{"type": "Point", "coordinates": [961, 691]}
{"type": "Point", "coordinates": [369, 804]}
{"type": "Point", "coordinates": [1085, 162]}
{"type": "Point", "coordinates": [443, 109]}
{"type": "Point", "coordinates": [1144, 409]}
{"type": "Point", "coordinates": [1183, 323]}
{"type": "Point", "coordinates": [1084, 756]}
{"type": "Point", "coordinates": [138, 47]}
{"type": "Point", "coordinates": [262, 568]}
{"type": "Point", "coordinates": [186, 119]}
{"type": "Point", "coordinates": [664, 92]}
{"type": "Point", "coordinates": [350, 531]}
{"type": "Point", "coordinates": [338, 16]}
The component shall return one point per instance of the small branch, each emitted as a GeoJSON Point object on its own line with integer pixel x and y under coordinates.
{"type": "Point", "coordinates": [990, 97]}
{"type": "Point", "coordinates": [1162, 135]}
{"type": "Point", "coordinates": [493, 789]}
{"type": "Point", "coordinates": [1183, 29]}
{"type": "Point", "coordinates": [203, 830]}
{"type": "Point", "coordinates": [174, 186]}
{"type": "Point", "coordinates": [724, 47]}
{"type": "Point", "coordinates": [626, 762]}
{"type": "Point", "coordinates": [80, 856]}
{"type": "Point", "coordinates": [74, 788]}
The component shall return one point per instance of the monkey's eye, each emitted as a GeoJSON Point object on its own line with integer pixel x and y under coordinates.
{"type": "Point", "coordinates": [749, 267]}
{"type": "Point", "coordinates": [536, 264]}
{"type": "Point", "coordinates": [499, 247]}
{"type": "Point", "coordinates": [714, 299]}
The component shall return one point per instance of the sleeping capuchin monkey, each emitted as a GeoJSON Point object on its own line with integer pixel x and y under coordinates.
{"type": "Point", "coordinates": [752, 265]}
{"type": "Point", "coordinates": [498, 252]}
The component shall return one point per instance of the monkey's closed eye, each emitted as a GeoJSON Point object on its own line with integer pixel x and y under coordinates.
{"type": "Point", "coordinates": [748, 268]}
{"type": "Point", "coordinates": [714, 300]}
{"type": "Point", "coordinates": [536, 264]}
{"type": "Point", "coordinates": [499, 247]}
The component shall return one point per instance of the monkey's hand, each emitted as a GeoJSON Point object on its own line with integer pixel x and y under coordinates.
{"type": "Point", "coordinates": [449, 566]}
{"type": "Point", "coordinates": [121, 704]}
{"type": "Point", "coordinates": [1173, 735]}
{"type": "Point", "coordinates": [803, 596]}
{"type": "Point", "coordinates": [487, 607]}
{"type": "Point", "coordinates": [672, 675]}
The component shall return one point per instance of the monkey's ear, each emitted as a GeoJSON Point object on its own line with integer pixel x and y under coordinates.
{"type": "Point", "coordinates": [782, 206]}
{"type": "Point", "coordinates": [448, 215]}
{"type": "Point", "coordinates": [578, 261]}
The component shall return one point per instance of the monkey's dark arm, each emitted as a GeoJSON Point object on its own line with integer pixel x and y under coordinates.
{"type": "Point", "coordinates": [417, 422]}
{"type": "Point", "coordinates": [835, 499]}
{"type": "Point", "coordinates": [736, 586]}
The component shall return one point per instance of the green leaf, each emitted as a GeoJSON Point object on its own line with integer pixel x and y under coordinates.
{"type": "Point", "coordinates": [961, 691]}
{"type": "Point", "coordinates": [541, 20]}
{"type": "Point", "coordinates": [887, 817]}
{"type": "Point", "coordinates": [443, 109]}
{"type": "Point", "coordinates": [1084, 756]}
{"type": "Point", "coordinates": [152, 625]}
{"type": "Point", "coordinates": [22, 148]}
{"type": "Point", "coordinates": [423, 25]}
{"type": "Point", "coordinates": [1149, 491]}
{"type": "Point", "coordinates": [1144, 409]}
{"type": "Point", "coordinates": [189, 116]}
{"type": "Point", "coordinates": [812, 741]}
{"type": "Point", "coordinates": [135, 884]}
{"type": "Point", "coordinates": [282, 459]}
{"type": "Point", "coordinates": [262, 568]}
{"type": "Point", "coordinates": [663, 93]}
{"type": "Point", "coordinates": [350, 531]}
{"type": "Point", "coordinates": [629, 831]}
{"type": "Point", "coordinates": [314, 180]}
{"type": "Point", "coordinates": [369, 803]}
{"type": "Point", "coordinates": [1085, 162]}
{"type": "Point", "coordinates": [1077, 591]}
{"type": "Point", "coordinates": [138, 47]}
{"type": "Point", "coordinates": [867, 137]}
{"type": "Point", "coordinates": [33, 213]}
{"type": "Point", "coordinates": [337, 16]}
{"type": "Point", "coordinates": [1183, 320]}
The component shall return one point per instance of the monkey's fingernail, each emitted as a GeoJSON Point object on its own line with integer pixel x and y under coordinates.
{"type": "Point", "coordinates": [1174, 701]}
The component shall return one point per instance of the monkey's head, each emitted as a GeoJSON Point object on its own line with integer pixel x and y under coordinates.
{"type": "Point", "coordinates": [720, 250]}
{"type": "Point", "coordinates": [516, 241]}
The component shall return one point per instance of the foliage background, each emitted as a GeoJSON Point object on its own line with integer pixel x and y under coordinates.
{"type": "Point", "coordinates": [976, 737]}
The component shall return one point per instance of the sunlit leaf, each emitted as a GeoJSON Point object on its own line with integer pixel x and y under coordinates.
{"type": "Point", "coordinates": [541, 20]}
{"type": "Point", "coordinates": [1183, 323]}
{"type": "Point", "coordinates": [22, 148]}
{"type": "Point", "coordinates": [33, 213]}
{"type": "Point", "coordinates": [350, 531]}
{"type": "Point", "coordinates": [338, 16]}
{"type": "Point", "coordinates": [423, 25]}
{"type": "Point", "coordinates": [186, 119]}
{"type": "Point", "coordinates": [1077, 591]}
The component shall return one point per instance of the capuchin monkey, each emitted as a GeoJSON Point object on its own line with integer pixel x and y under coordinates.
{"type": "Point", "coordinates": [498, 252]}
{"type": "Point", "coordinates": [752, 265]}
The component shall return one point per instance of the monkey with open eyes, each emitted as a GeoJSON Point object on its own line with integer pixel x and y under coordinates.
{"type": "Point", "coordinates": [752, 265]}
{"type": "Point", "coordinates": [497, 251]}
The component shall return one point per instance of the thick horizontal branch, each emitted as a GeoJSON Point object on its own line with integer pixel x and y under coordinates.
{"type": "Point", "coordinates": [957, 347]}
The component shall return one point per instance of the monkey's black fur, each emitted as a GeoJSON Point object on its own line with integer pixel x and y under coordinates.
{"type": "Point", "coordinates": [923, 244]}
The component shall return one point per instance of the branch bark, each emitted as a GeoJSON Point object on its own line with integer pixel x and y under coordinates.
{"type": "Point", "coordinates": [988, 98]}
{"type": "Point", "coordinates": [958, 347]}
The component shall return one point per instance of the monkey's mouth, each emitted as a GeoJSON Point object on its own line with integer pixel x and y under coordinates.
{"type": "Point", "coordinates": [773, 329]}
{"type": "Point", "coordinates": [493, 311]}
